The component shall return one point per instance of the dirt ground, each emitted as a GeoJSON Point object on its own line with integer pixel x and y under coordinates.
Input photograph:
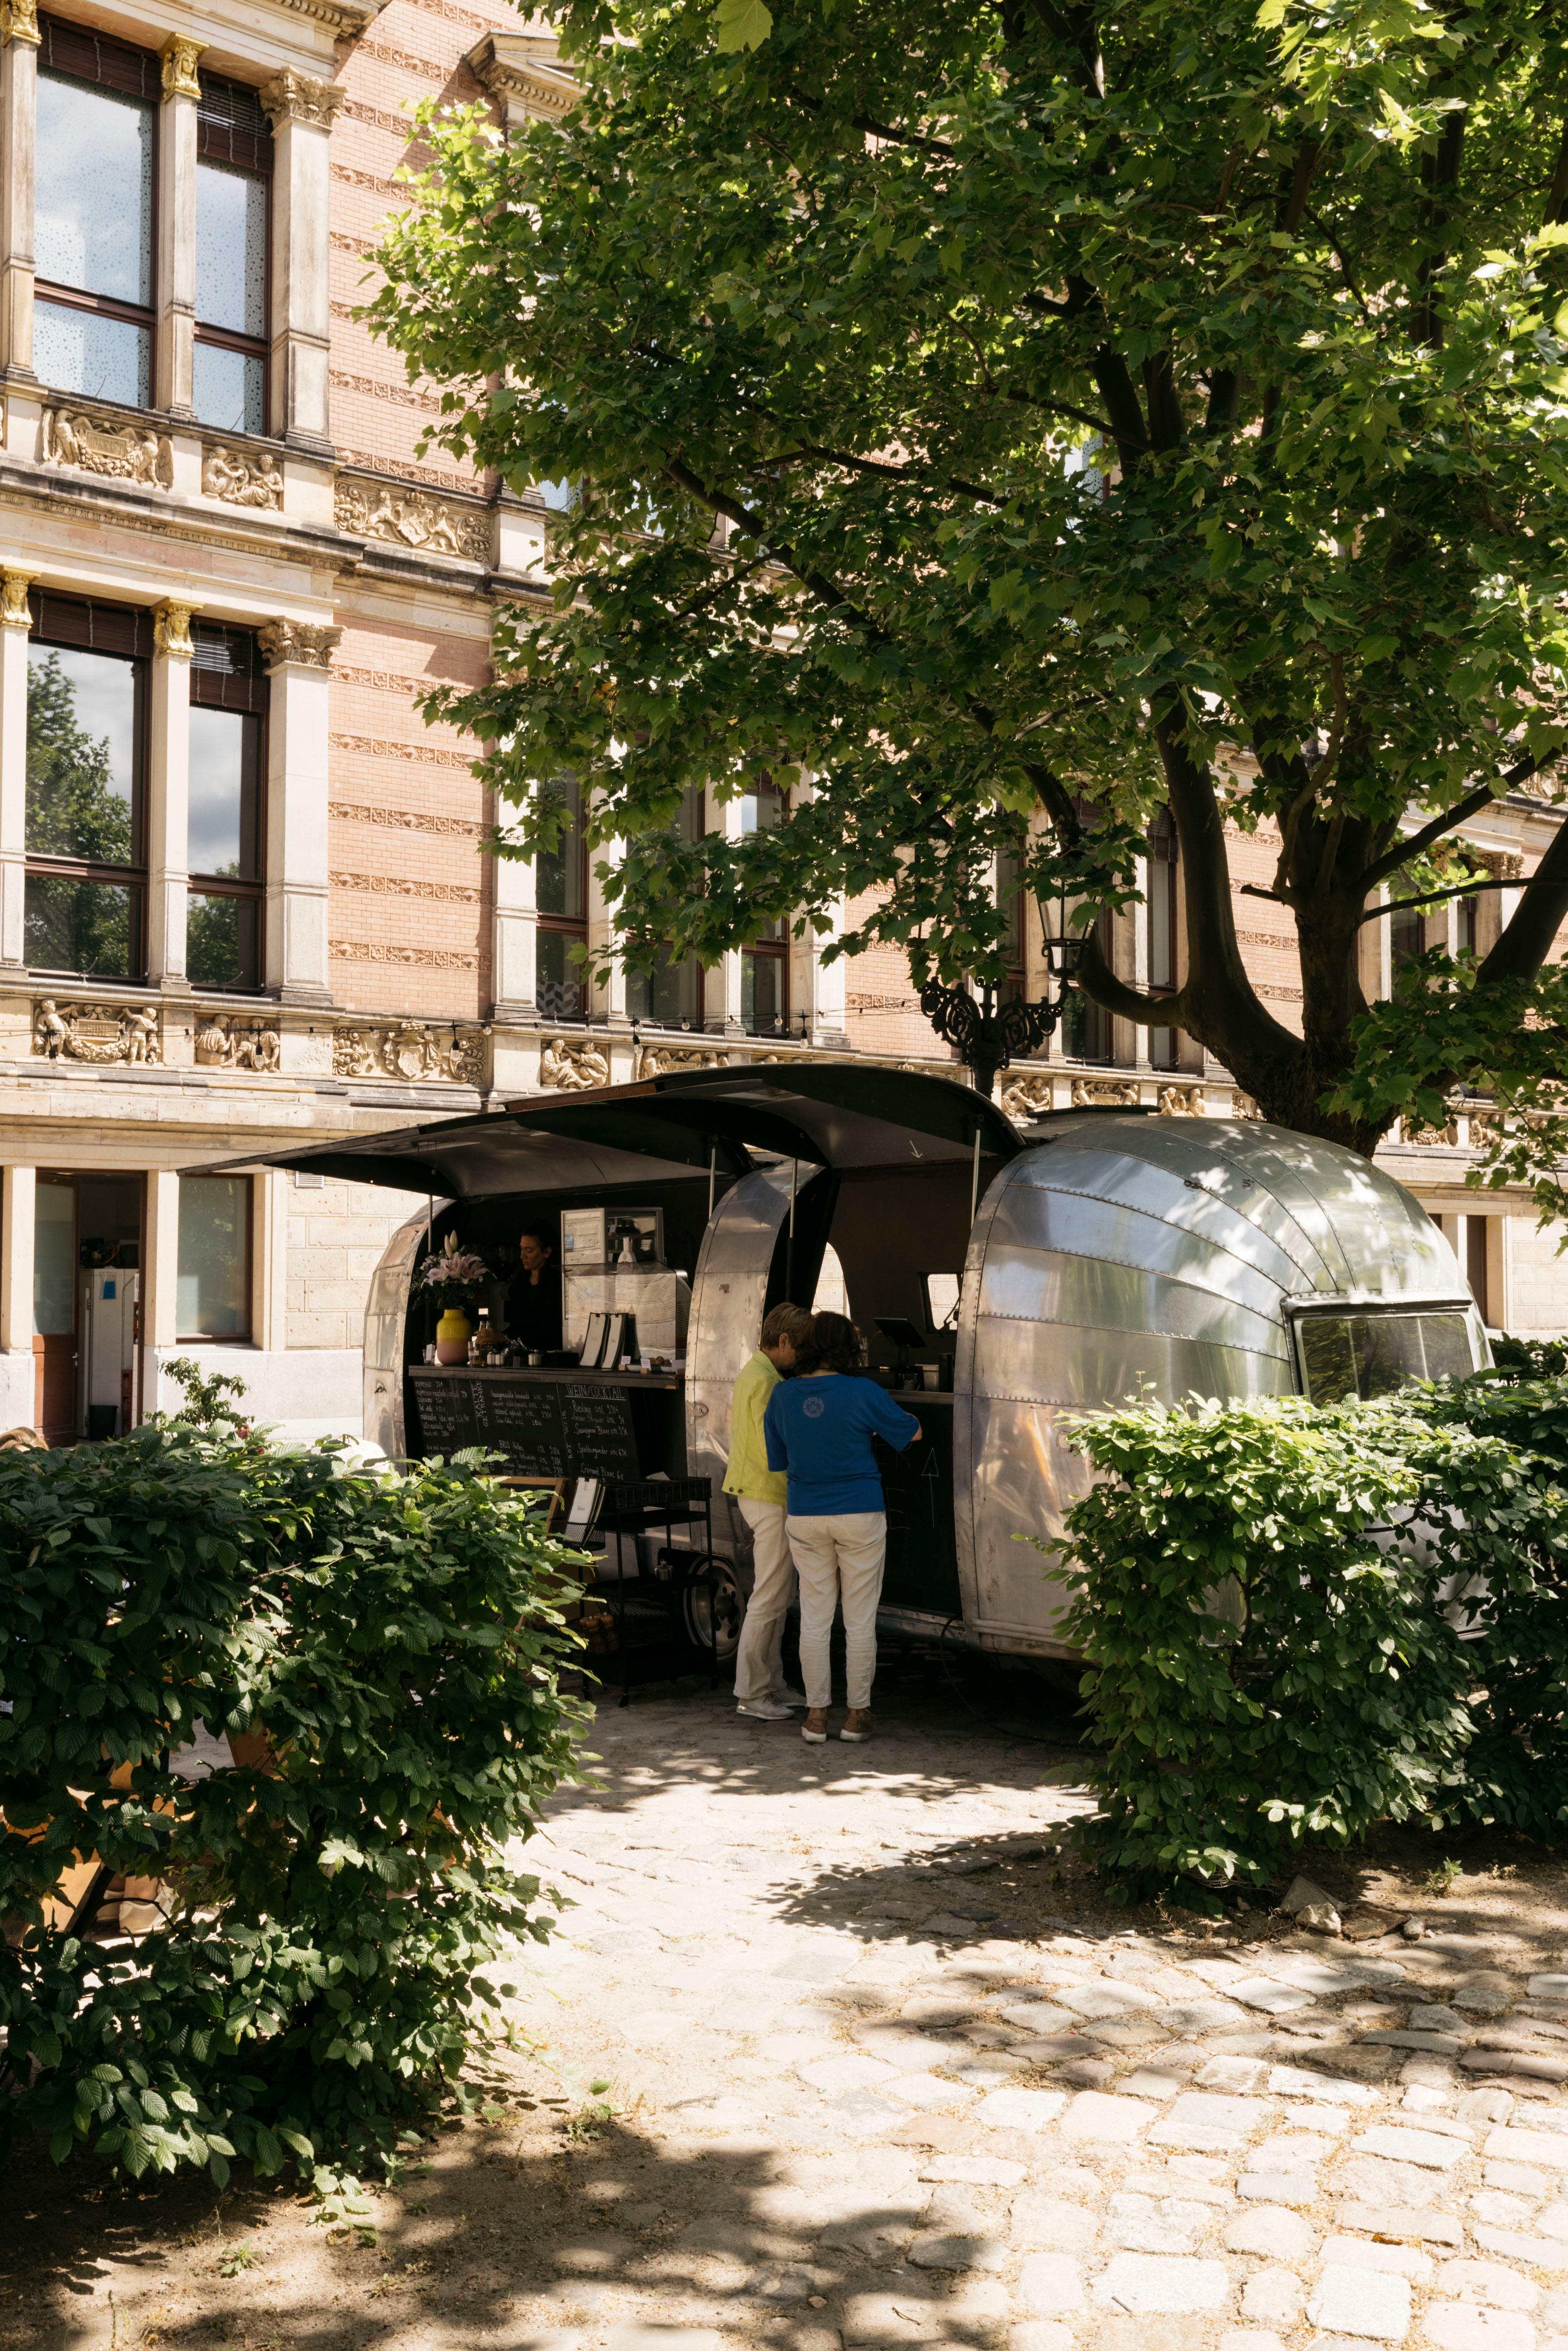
{"type": "Point", "coordinates": [725, 2129]}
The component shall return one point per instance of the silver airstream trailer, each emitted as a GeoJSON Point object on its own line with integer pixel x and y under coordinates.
{"type": "Point", "coordinates": [1018, 1276]}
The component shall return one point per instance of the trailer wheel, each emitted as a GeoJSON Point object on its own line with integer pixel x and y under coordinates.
{"type": "Point", "coordinates": [713, 1609]}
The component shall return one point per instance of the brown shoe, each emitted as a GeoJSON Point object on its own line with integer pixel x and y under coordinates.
{"type": "Point", "coordinates": [814, 1729]}
{"type": "Point", "coordinates": [857, 1725]}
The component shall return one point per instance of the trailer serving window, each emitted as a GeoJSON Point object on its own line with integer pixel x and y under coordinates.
{"type": "Point", "coordinates": [1354, 1353]}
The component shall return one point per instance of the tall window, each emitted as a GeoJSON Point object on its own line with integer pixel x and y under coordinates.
{"type": "Point", "coordinates": [1087, 1034]}
{"type": "Point", "coordinates": [1160, 914]}
{"type": "Point", "coordinates": [213, 1288]}
{"type": "Point", "coordinates": [87, 703]}
{"type": "Point", "coordinates": [1012, 905]}
{"type": "Point", "coordinates": [97, 141]}
{"type": "Point", "coordinates": [561, 894]}
{"type": "Point", "coordinates": [229, 700]}
{"type": "Point", "coordinates": [233, 188]}
{"type": "Point", "coordinates": [670, 996]}
{"type": "Point", "coordinates": [1405, 936]}
{"type": "Point", "coordinates": [764, 965]}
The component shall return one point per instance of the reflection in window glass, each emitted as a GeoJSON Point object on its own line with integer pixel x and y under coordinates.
{"type": "Point", "coordinates": [557, 873]}
{"type": "Point", "coordinates": [84, 735]}
{"type": "Point", "coordinates": [82, 351]}
{"type": "Point", "coordinates": [93, 223]}
{"type": "Point", "coordinates": [762, 1007]}
{"type": "Point", "coordinates": [222, 941]}
{"type": "Point", "coordinates": [231, 248]}
{"type": "Point", "coordinates": [222, 823]}
{"type": "Point", "coordinates": [1373, 1355]}
{"type": "Point", "coordinates": [558, 987]}
{"type": "Point", "coordinates": [55, 1259]}
{"type": "Point", "coordinates": [229, 389]}
{"type": "Point", "coordinates": [90, 927]}
{"type": "Point", "coordinates": [214, 1284]}
{"type": "Point", "coordinates": [671, 997]}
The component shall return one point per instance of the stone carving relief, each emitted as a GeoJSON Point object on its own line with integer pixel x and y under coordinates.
{"type": "Point", "coordinates": [571, 1065]}
{"type": "Point", "coordinates": [1411, 1129]}
{"type": "Point", "coordinates": [659, 1061]}
{"type": "Point", "coordinates": [1026, 1097]}
{"type": "Point", "coordinates": [96, 1032]}
{"type": "Point", "coordinates": [172, 630]}
{"type": "Point", "coordinates": [226, 1044]}
{"type": "Point", "coordinates": [1181, 1102]}
{"type": "Point", "coordinates": [1243, 1106]}
{"type": "Point", "coordinates": [1485, 1127]}
{"type": "Point", "coordinates": [291, 96]}
{"type": "Point", "coordinates": [241, 478]}
{"type": "Point", "coordinates": [413, 518]}
{"type": "Point", "coordinates": [95, 445]}
{"type": "Point", "coordinates": [14, 610]}
{"type": "Point", "coordinates": [309, 643]}
{"type": "Point", "coordinates": [1104, 1093]}
{"type": "Point", "coordinates": [408, 1049]}
{"type": "Point", "coordinates": [19, 22]}
{"type": "Point", "coordinates": [180, 55]}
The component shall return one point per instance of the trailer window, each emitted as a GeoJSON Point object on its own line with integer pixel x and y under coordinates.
{"type": "Point", "coordinates": [1371, 1355]}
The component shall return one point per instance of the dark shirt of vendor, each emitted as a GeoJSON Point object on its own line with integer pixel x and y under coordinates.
{"type": "Point", "coordinates": [533, 1300]}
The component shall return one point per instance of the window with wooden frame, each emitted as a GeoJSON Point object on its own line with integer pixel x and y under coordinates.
{"type": "Point", "coordinates": [95, 222]}
{"type": "Point", "coordinates": [561, 896]}
{"type": "Point", "coordinates": [672, 995]}
{"type": "Point", "coordinates": [1088, 1033]}
{"type": "Point", "coordinates": [764, 964]}
{"type": "Point", "coordinates": [234, 203]}
{"type": "Point", "coordinates": [213, 1283]}
{"type": "Point", "coordinates": [85, 883]}
{"type": "Point", "coordinates": [1163, 853]}
{"type": "Point", "coordinates": [224, 838]}
{"type": "Point", "coordinates": [1013, 904]}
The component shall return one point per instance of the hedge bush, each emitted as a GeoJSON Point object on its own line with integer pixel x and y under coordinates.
{"type": "Point", "coordinates": [395, 1639]}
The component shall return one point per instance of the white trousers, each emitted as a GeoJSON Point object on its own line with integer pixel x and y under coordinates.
{"type": "Point", "coordinates": [759, 1660]}
{"type": "Point", "coordinates": [840, 1561]}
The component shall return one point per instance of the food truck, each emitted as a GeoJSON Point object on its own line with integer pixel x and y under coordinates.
{"type": "Point", "coordinates": [1011, 1278]}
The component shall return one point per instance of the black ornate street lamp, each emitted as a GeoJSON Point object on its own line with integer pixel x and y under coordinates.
{"type": "Point", "coordinates": [988, 1037]}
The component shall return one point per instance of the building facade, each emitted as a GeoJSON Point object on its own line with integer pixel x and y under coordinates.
{"type": "Point", "coordinates": [243, 898]}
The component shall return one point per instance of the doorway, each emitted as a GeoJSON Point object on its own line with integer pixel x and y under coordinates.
{"type": "Point", "coordinates": [86, 1248]}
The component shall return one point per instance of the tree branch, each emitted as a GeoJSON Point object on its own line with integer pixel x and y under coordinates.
{"type": "Point", "coordinates": [1433, 898]}
{"type": "Point", "coordinates": [1556, 205]}
{"type": "Point", "coordinates": [1536, 920]}
{"type": "Point", "coordinates": [1414, 844]}
{"type": "Point", "coordinates": [1081, 39]}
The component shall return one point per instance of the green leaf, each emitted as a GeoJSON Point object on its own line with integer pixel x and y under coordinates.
{"type": "Point", "coordinates": [741, 25]}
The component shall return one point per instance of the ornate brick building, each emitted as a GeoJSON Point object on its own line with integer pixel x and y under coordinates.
{"type": "Point", "coordinates": [243, 898]}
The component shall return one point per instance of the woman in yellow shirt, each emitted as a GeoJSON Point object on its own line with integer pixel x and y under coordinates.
{"type": "Point", "coordinates": [758, 1491]}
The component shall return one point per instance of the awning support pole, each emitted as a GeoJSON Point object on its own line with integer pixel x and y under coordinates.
{"type": "Point", "coordinates": [712, 1176]}
{"type": "Point", "coordinates": [975, 1184]}
{"type": "Point", "coordinates": [789, 1251]}
{"type": "Point", "coordinates": [430, 1224]}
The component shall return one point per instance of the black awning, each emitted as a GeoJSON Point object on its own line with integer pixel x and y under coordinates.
{"type": "Point", "coordinates": [834, 1115]}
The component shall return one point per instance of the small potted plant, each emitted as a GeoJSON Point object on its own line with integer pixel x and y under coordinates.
{"type": "Point", "coordinates": [454, 1281]}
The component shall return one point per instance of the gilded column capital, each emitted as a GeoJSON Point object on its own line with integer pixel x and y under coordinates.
{"type": "Point", "coordinates": [180, 55]}
{"type": "Point", "coordinates": [305, 644]}
{"type": "Point", "coordinates": [19, 22]}
{"type": "Point", "coordinates": [291, 96]}
{"type": "Point", "coordinates": [172, 630]}
{"type": "Point", "coordinates": [14, 609]}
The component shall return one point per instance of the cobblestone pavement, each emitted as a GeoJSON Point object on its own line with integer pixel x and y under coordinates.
{"type": "Point", "coordinates": [872, 2091]}
{"type": "Point", "coordinates": [830, 2055]}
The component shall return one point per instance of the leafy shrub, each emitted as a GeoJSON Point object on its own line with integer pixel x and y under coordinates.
{"type": "Point", "coordinates": [1262, 1665]}
{"type": "Point", "coordinates": [389, 1644]}
{"type": "Point", "coordinates": [209, 1397]}
{"type": "Point", "coordinates": [1530, 1359]}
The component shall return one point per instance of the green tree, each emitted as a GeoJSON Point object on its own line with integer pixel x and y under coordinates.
{"type": "Point", "coordinates": [73, 810]}
{"type": "Point", "coordinates": [1011, 419]}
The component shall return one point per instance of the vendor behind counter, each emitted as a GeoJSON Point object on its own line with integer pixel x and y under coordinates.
{"type": "Point", "coordinates": [533, 1296]}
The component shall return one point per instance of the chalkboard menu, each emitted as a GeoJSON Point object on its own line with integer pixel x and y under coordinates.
{"type": "Point", "coordinates": [543, 1429]}
{"type": "Point", "coordinates": [922, 1551]}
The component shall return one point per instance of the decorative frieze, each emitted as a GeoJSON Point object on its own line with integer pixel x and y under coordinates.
{"type": "Point", "coordinates": [1243, 1106]}
{"type": "Point", "coordinates": [98, 444]}
{"type": "Point", "coordinates": [461, 828]}
{"type": "Point", "coordinates": [660, 1060]}
{"type": "Point", "coordinates": [411, 518]}
{"type": "Point", "coordinates": [401, 885]}
{"type": "Point", "coordinates": [1027, 1095]}
{"type": "Point", "coordinates": [1104, 1093]}
{"type": "Point", "coordinates": [571, 1065]}
{"type": "Point", "coordinates": [172, 630]}
{"type": "Point", "coordinates": [242, 477]}
{"type": "Point", "coordinates": [291, 96]}
{"type": "Point", "coordinates": [419, 754]}
{"type": "Point", "coordinates": [1181, 1102]}
{"type": "Point", "coordinates": [409, 1050]}
{"type": "Point", "coordinates": [426, 958]}
{"type": "Point", "coordinates": [131, 1034]}
{"type": "Point", "coordinates": [225, 1042]}
{"type": "Point", "coordinates": [180, 56]}
{"type": "Point", "coordinates": [307, 644]}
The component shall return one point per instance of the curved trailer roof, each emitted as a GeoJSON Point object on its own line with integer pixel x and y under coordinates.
{"type": "Point", "coordinates": [832, 1114]}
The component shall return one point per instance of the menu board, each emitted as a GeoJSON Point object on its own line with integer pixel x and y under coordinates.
{"type": "Point", "coordinates": [542, 1428]}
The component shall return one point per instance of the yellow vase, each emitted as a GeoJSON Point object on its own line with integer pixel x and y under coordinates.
{"type": "Point", "coordinates": [452, 1334]}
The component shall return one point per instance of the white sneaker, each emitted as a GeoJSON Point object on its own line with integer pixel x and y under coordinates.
{"type": "Point", "coordinates": [786, 1697]}
{"type": "Point", "coordinates": [765, 1709]}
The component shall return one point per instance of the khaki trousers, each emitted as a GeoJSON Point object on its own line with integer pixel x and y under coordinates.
{"type": "Point", "coordinates": [840, 1563]}
{"type": "Point", "coordinates": [758, 1661]}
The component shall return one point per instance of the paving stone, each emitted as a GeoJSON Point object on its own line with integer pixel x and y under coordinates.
{"type": "Point", "coordinates": [975, 2170]}
{"type": "Point", "coordinates": [1148, 2224]}
{"type": "Point", "coordinates": [1522, 2178]}
{"type": "Point", "coordinates": [1430, 2150]}
{"type": "Point", "coordinates": [1274, 2298]}
{"type": "Point", "coordinates": [1037, 2016]}
{"type": "Point", "coordinates": [1237, 2074]}
{"type": "Point", "coordinates": [1438, 2044]}
{"type": "Point", "coordinates": [1214, 2125]}
{"type": "Point", "coordinates": [1052, 2223]}
{"type": "Point", "coordinates": [1094, 2115]}
{"type": "Point", "coordinates": [908, 2053]}
{"type": "Point", "coordinates": [1296, 2081]}
{"type": "Point", "coordinates": [1417, 2224]}
{"type": "Point", "coordinates": [1295, 2151]}
{"type": "Point", "coordinates": [1366, 2305]}
{"type": "Point", "coordinates": [1040, 2334]}
{"type": "Point", "coordinates": [1433, 2017]}
{"type": "Point", "coordinates": [1535, 2147]}
{"type": "Point", "coordinates": [1048, 2282]}
{"type": "Point", "coordinates": [1251, 2338]}
{"type": "Point", "coordinates": [1273, 1998]}
{"type": "Point", "coordinates": [831, 2074]}
{"type": "Point", "coordinates": [1139, 2283]}
{"type": "Point", "coordinates": [925, 2092]}
{"type": "Point", "coordinates": [1273, 2232]}
{"type": "Point", "coordinates": [1198, 2015]}
{"type": "Point", "coordinates": [1022, 2110]}
{"type": "Point", "coordinates": [1398, 2260]}
{"type": "Point", "coordinates": [1488, 2282]}
{"type": "Point", "coordinates": [1089, 2073]}
{"type": "Point", "coordinates": [1549, 1987]}
{"type": "Point", "coordinates": [1146, 2083]}
{"type": "Point", "coordinates": [937, 2250]}
{"type": "Point", "coordinates": [1459, 2326]}
{"type": "Point", "coordinates": [1106, 2000]}
{"type": "Point", "coordinates": [1521, 2245]}
{"type": "Point", "coordinates": [1279, 2187]}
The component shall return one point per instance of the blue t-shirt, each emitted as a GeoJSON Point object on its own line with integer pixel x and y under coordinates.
{"type": "Point", "coordinates": [819, 1429]}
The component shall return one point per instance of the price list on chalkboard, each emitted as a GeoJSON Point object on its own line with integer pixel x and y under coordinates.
{"type": "Point", "coordinates": [543, 1429]}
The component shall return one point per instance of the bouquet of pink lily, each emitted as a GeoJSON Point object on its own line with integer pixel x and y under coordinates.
{"type": "Point", "coordinates": [453, 1276]}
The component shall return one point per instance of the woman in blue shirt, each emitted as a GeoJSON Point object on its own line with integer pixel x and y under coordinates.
{"type": "Point", "coordinates": [818, 1428]}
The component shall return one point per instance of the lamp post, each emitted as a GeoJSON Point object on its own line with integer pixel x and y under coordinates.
{"type": "Point", "coordinates": [987, 1036]}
